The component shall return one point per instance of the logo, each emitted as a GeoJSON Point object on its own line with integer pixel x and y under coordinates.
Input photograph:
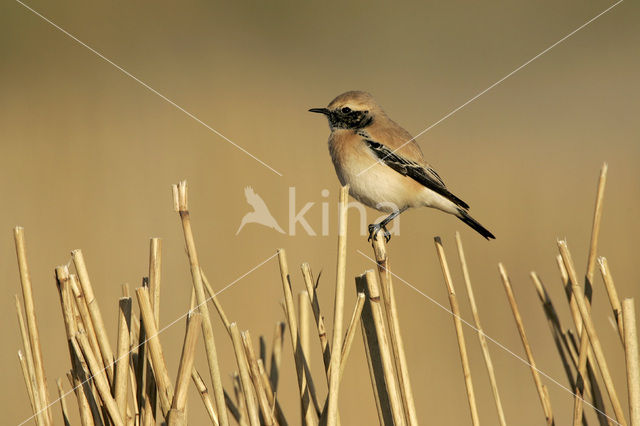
{"type": "Point", "coordinates": [261, 215]}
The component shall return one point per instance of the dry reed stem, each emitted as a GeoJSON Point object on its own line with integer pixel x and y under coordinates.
{"type": "Point", "coordinates": [94, 311]}
{"type": "Point", "coordinates": [373, 359]}
{"type": "Point", "coordinates": [613, 295]}
{"type": "Point", "coordinates": [351, 331]}
{"type": "Point", "coordinates": [338, 310]}
{"type": "Point", "coordinates": [165, 387]}
{"type": "Point", "coordinates": [32, 325]}
{"type": "Point", "coordinates": [30, 377]}
{"type": "Point", "coordinates": [177, 414]}
{"type": "Point", "coordinates": [632, 361]}
{"type": "Point", "coordinates": [63, 403]}
{"type": "Point", "coordinates": [304, 385]}
{"type": "Point", "coordinates": [263, 400]}
{"type": "Point", "coordinates": [595, 229]}
{"type": "Point", "coordinates": [204, 395]}
{"type": "Point", "coordinates": [319, 318]}
{"type": "Point", "coordinates": [591, 263]}
{"type": "Point", "coordinates": [100, 379]}
{"type": "Point", "coordinates": [271, 396]}
{"type": "Point", "coordinates": [383, 367]}
{"type": "Point", "coordinates": [181, 206]}
{"type": "Point", "coordinates": [303, 332]}
{"type": "Point", "coordinates": [120, 383]}
{"type": "Point", "coordinates": [27, 380]}
{"type": "Point", "coordinates": [546, 404]}
{"type": "Point", "coordinates": [276, 354]}
{"type": "Point", "coordinates": [303, 323]}
{"type": "Point", "coordinates": [216, 302]}
{"type": "Point", "coordinates": [598, 352]}
{"type": "Point", "coordinates": [245, 378]}
{"type": "Point", "coordinates": [457, 322]}
{"type": "Point", "coordinates": [84, 396]}
{"type": "Point", "coordinates": [155, 264]}
{"type": "Point", "coordinates": [393, 323]}
{"type": "Point", "coordinates": [570, 278]}
{"type": "Point", "coordinates": [85, 323]}
{"type": "Point", "coordinates": [481, 336]}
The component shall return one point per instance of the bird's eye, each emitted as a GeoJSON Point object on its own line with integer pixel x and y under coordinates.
{"type": "Point", "coordinates": [346, 110]}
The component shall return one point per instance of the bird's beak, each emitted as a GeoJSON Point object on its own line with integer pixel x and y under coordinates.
{"type": "Point", "coordinates": [320, 110]}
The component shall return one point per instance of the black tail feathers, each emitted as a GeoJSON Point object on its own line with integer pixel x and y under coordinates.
{"type": "Point", "coordinates": [466, 218]}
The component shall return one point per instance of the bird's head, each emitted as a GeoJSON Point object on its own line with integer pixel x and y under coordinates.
{"type": "Point", "coordinates": [351, 110]}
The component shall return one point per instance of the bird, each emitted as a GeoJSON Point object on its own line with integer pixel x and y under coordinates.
{"type": "Point", "coordinates": [260, 213]}
{"type": "Point", "coordinates": [383, 165]}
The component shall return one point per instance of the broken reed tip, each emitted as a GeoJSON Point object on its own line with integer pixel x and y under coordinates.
{"type": "Point", "coordinates": [180, 196]}
{"type": "Point", "coordinates": [62, 272]}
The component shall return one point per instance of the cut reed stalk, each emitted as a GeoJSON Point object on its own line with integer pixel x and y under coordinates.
{"type": "Point", "coordinates": [457, 322]}
{"type": "Point", "coordinates": [204, 395]}
{"type": "Point", "coordinates": [588, 285]}
{"type": "Point", "coordinates": [546, 404]}
{"type": "Point", "coordinates": [303, 332]}
{"type": "Point", "coordinates": [85, 323]}
{"type": "Point", "coordinates": [614, 300]}
{"type": "Point", "coordinates": [263, 401]}
{"type": "Point", "coordinates": [585, 355]}
{"type": "Point", "coordinates": [30, 377]}
{"type": "Point", "coordinates": [100, 379]}
{"type": "Point", "coordinates": [393, 323]}
{"type": "Point", "coordinates": [213, 297]}
{"type": "Point", "coordinates": [63, 403]}
{"type": "Point", "coordinates": [181, 206]}
{"type": "Point", "coordinates": [245, 378]}
{"type": "Point", "coordinates": [154, 347]}
{"type": "Point", "coordinates": [94, 311]}
{"type": "Point", "coordinates": [481, 336]}
{"type": "Point", "coordinates": [377, 340]}
{"type": "Point", "coordinates": [177, 414]}
{"type": "Point", "coordinates": [579, 296]}
{"type": "Point", "coordinates": [120, 382]}
{"type": "Point", "coordinates": [32, 326]}
{"type": "Point", "coordinates": [632, 360]}
{"type": "Point", "coordinates": [89, 414]}
{"type": "Point", "coordinates": [351, 331]}
{"type": "Point", "coordinates": [27, 380]}
{"type": "Point", "coordinates": [304, 385]}
{"type": "Point", "coordinates": [338, 310]}
{"type": "Point", "coordinates": [319, 318]}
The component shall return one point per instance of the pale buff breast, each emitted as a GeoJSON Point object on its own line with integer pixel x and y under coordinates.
{"type": "Point", "coordinates": [379, 187]}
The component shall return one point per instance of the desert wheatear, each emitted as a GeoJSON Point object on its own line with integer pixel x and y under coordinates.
{"type": "Point", "coordinates": [383, 165]}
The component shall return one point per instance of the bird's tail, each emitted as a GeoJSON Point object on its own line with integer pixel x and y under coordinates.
{"type": "Point", "coordinates": [464, 216]}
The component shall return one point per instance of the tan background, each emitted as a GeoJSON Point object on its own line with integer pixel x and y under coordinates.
{"type": "Point", "coordinates": [88, 156]}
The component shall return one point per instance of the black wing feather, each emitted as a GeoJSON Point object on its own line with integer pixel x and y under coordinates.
{"type": "Point", "coordinates": [422, 174]}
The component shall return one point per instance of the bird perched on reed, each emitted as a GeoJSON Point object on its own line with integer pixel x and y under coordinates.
{"type": "Point", "coordinates": [383, 165]}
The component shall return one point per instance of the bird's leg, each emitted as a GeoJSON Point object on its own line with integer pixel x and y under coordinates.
{"type": "Point", "coordinates": [375, 227]}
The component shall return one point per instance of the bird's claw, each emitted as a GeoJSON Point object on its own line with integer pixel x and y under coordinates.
{"type": "Point", "coordinates": [373, 232]}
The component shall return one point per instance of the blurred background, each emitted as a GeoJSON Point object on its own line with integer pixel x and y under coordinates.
{"type": "Point", "coordinates": [88, 156]}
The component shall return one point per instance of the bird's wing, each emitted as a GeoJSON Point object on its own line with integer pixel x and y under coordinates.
{"type": "Point", "coordinates": [421, 173]}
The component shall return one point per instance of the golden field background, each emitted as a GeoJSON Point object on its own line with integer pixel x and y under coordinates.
{"type": "Point", "coordinates": [88, 156]}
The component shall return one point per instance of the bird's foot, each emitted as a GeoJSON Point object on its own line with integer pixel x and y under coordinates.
{"type": "Point", "coordinates": [373, 232]}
